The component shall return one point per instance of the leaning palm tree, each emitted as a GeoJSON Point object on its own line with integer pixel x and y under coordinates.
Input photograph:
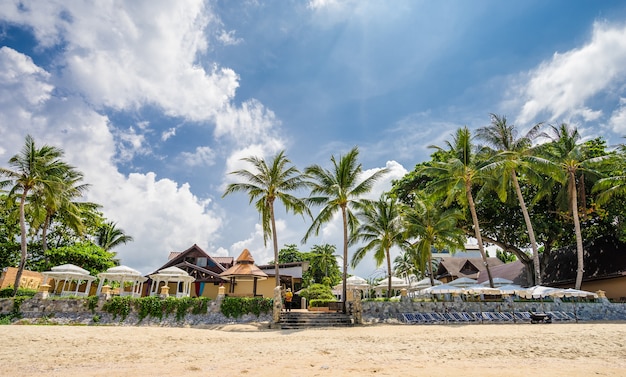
{"type": "Point", "coordinates": [33, 169]}
{"type": "Point", "coordinates": [381, 229]}
{"type": "Point", "coordinates": [265, 184]}
{"type": "Point", "coordinates": [568, 162]}
{"type": "Point", "coordinates": [455, 177]}
{"type": "Point", "coordinates": [338, 190]}
{"type": "Point", "coordinates": [110, 236]}
{"type": "Point", "coordinates": [513, 155]}
{"type": "Point", "coordinates": [433, 227]}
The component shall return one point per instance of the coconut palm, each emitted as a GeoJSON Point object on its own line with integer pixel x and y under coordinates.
{"type": "Point", "coordinates": [324, 263]}
{"type": "Point", "coordinates": [338, 190]}
{"type": "Point", "coordinates": [569, 162]}
{"type": "Point", "coordinates": [455, 178]}
{"type": "Point", "coordinates": [433, 227]}
{"type": "Point", "coordinates": [266, 183]}
{"type": "Point", "coordinates": [513, 155]}
{"type": "Point", "coordinates": [381, 229]}
{"type": "Point", "coordinates": [615, 186]}
{"type": "Point", "coordinates": [33, 169]}
{"type": "Point", "coordinates": [110, 236]}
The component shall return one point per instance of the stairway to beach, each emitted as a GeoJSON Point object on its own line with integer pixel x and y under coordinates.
{"type": "Point", "coordinates": [304, 319]}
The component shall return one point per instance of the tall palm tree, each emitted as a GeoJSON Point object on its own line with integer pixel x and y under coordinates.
{"type": "Point", "coordinates": [62, 204]}
{"type": "Point", "coordinates": [455, 177]}
{"type": "Point", "coordinates": [381, 229]}
{"type": "Point", "coordinates": [569, 163]}
{"type": "Point", "coordinates": [324, 260]}
{"type": "Point", "coordinates": [338, 190]}
{"type": "Point", "coordinates": [513, 154]}
{"type": "Point", "coordinates": [404, 265]}
{"type": "Point", "coordinates": [110, 236]}
{"type": "Point", "coordinates": [266, 183]}
{"type": "Point", "coordinates": [433, 227]}
{"type": "Point", "coordinates": [33, 169]}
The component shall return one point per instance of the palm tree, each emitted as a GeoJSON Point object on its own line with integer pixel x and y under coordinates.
{"type": "Point", "coordinates": [265, 184]}
{"type": "Point", "coordinates": [513, 154]}
{"type": "Point", "coordinates": [324, 262]}
{"type": "Point", "coordinates": [338, 190]}
{"type": "Point", "coordinates": [381, 229]}
{"type": "Point", "coordinates": [404, 265]}
{"type": "Point", "coordinates": [433, 227]}
{"type": "Point", "coordinates": [614, 186]}
{"type": "Point", "coordinates": [569, 162]}
{"type": "Point", "coordinates": [33, 169]}
{"type": "Point", "coordinates": [110, 236]}
{"type": "Point", "coordinates": [455, 177]}
{"type": "Point", "coordinates": [61, 204]}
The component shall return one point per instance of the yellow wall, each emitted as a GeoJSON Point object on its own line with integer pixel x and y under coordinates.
{"type": "Point", "coordinates": [29, 279]}
{"type": "Point", "coordinates": [614, 288]}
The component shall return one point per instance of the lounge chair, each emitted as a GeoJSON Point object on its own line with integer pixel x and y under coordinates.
{"type": "Point", "coordinates": [540, 317]}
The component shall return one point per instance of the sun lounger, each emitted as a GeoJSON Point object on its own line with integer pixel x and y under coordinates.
{"type": "Point", "coordinates": [508, 317]}
{"type": "Point", "coordinates": [540, 318]}
{"type": "Point", "coordinates": [522, 316]}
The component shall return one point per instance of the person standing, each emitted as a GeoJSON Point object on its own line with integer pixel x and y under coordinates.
{"type": "Point", "coordinates": [288, 298]}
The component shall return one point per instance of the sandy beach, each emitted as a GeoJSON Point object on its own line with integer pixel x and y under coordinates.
{"type": "Point", "coordinates": [254, 350]}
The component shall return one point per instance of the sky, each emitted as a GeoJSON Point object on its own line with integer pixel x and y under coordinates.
{"type": "Point", "coordinates": [156, 102]}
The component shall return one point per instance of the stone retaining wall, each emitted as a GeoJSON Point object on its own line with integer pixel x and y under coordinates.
{"type": "Point", "coordinates": [388, 312]}
{"type": "Point", "coordinates": [76, 311]}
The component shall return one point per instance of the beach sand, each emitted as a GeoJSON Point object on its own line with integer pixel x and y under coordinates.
{"type": "Point", "coordinates": [585, 349]}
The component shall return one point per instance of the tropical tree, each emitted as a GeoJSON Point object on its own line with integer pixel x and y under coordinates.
{"type": "Point", "coordinates": [110, 236]}
{"type": "Point", "coordinates": [569, 163]}
{"type": "Point", "coordinates": [404, 266]}
{"type": "Point", "coordinates": [433, 227]}
{"type": "Point", "coordinates": [337, 190]}
{"type": "Point", "coordinates": [266, 183]}
{"type": "Point", "coordinates": [33, 169]}
{"type": "Point", "coordinates": [380, 229]}
{"type": "Point", "coordinates": [455, 177]}
{"type": "Point", "coordinates": [513, 155]}
{"type": "Point", "coordinates": [323, 263]}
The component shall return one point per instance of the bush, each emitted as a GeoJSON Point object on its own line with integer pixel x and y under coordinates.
{"type": "Point", "coordinates": [318, 303]}
{"type": "Point", "coordinates": [318, 292]}
{"type": "Point", "coordinates": [21, 292]}
{"type": "Point", "coordinates": [237, 306]}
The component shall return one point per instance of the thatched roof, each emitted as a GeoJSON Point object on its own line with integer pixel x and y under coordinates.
{"type": "Point", "coordinates": [244, 268]}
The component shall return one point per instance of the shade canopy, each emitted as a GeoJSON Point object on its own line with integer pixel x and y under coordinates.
{"type": "Point", "coordinates": [538, 291]}
{"type": "Point", "coordinates": [511, 289]}
{"type": "Point", "coordinates": [463, 282]}
{"type": "Point", "coordinates": [244, 268]}
{"type": "Point", "coordinates": [69, 274]}
{"type": "Point", "coordinates": [396, 283]}
{"type": "Point", "coordinates": [122, 275]}
{"type": "Point", "coordinates": [425, 283]}
{"type": "Point", "coordinates": [571, 292]}
{"type": "Point", "coordinates": [480, 289]}
{"type": "Point", "coordinates": [497, 282]}
{"type": "Point", "coordinates": [442, 289]}
{"type": "Point", "coordinates": [172, 275]}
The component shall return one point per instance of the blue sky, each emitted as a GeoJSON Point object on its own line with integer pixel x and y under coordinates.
{"type": "Point", "coordinates": [157, 101]}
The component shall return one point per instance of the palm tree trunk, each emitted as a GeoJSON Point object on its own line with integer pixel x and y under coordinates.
{"type": "Point", "coordinates": [430, 269]}
{"type": "Point", "coordinates": [470, 200]}
{"type": "Point", "coordinates": [20, 267]}
{"type": "Point", "coordinates": [529, 227]}
{"type": "Point", "coordinates": [345, 257]}
{"type": "Point", "coordinates": [275, 240]}
{"type": "Point", "coordinates": [44, 234]}
{"type": "Point", "coordinates": [579, 238]}
{"type": "Point", "coordinates": [388, 273]}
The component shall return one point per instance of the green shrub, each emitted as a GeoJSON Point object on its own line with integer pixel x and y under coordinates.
{"type": "Point", "coordinates": [237, 306]}
{"type": "Point", "coordinates": [318, 303]}
{"type": "Point", "coordinates": [92, 303]}
{"type": "Point", "coordinates": [318, 291]}
{"type": "Point", "coordinates": [118, 305]}
{"type": "Point", "coordinates": [21, 292]}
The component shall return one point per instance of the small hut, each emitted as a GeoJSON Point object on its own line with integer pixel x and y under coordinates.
{"type": "Point", "coordinates": [172, 275]}
{"type": "Point", "coordinates": [244, 270]}
{"type": "Point", "coordinates": [72, 277]}
{"type": "Point", "coordinates": [123, 275]}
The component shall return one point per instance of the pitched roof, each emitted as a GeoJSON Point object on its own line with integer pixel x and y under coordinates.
{"type": "Point", "coordinates": [463, 267]}
{"type": "Point", "coordinates": [193, 252]}
{"type": "Point", "coordinates": [603, 258]}
{"type": "Point", "coordinates": [244, 267]}
{"type": "Point", "coordinates": [514, 271]}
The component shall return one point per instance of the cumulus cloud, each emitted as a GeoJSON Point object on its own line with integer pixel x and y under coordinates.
{"type": "Point", "coordinates": [202, 156]}
{"type": "Point", "coordinates": [562, 87]}
{"type": "Point", "coordinates": [618, 118]}
{"type": "Point", "coordinates": [160, 214]}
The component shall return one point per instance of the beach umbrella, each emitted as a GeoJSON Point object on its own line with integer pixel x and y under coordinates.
{"type": "Point", "coordinates": [442, 289]}
{"type": "Point", "coordinates": [539, 291]}
{"type": "Point", "coordinates": [479, 289]}
{"type": "Point", "coordinates": [463, 282]}
{"type": "Point", "coordinates": [576, 294]}
{"type": "Point", "coordinates": [498, 282]}
{"type": "Point", "coordinates": [424, 283]}
{"type": "Point", "coordinates": [510, 289]}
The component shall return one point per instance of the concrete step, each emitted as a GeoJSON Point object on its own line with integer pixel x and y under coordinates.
{"type": "Point", "coordinates": [303, 319]}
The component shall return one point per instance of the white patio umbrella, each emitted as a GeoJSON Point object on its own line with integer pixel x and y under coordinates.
{"type": "Point", "coordinates": [497, 282]}
{"type": "Point", "coordinates": [424, 283]}
{"type": "Point", "coordinates": [479, 289]}
{"type": "Point", "coordinates": [442, 289]}
{"type": "Point", "coordinates": [463, 282]}
{"type": "Point", "coordinates": [511, 289]}
{"type": "Point", "coordinates": [539, 291]}
{"type": "Point", "coordinates": [576, 294]}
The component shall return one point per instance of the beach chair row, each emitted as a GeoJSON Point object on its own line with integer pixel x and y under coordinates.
{"type": "Point", "coordinates": [482, 317]}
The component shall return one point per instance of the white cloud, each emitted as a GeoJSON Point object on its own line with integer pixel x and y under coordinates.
{"type": "Point", "coordinates": [125, 55]}
{"type": "Point", "coordinates": [228, 38]}
{"type": "Point", "coordinates": [561, 87]}
{"type": "Point", "coordinates": [203, 156]}
{"type": "Point", "coordinates": [160, 214]}
{"type": "Point", "coordinates": [618, 118]}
